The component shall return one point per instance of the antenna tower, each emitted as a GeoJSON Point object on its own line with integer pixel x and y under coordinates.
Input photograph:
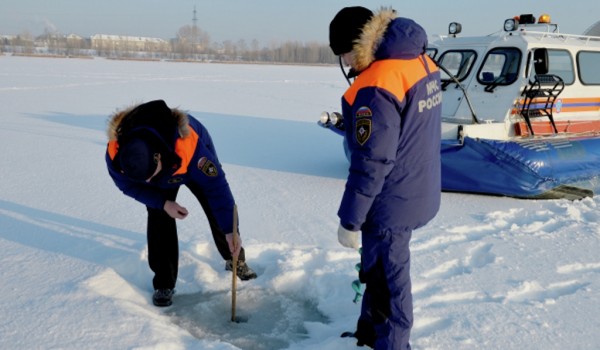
{"type": "Point", "coordinates": [195, 19]}
{"type": "Point", "coordinates": [194, 33]}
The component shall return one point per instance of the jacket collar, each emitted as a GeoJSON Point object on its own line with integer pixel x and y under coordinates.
{"type": "Point", "coordinates": [363, 51]}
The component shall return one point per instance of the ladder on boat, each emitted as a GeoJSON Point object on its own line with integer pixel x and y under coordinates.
{"type": "Point", "coordinates": [539, 97]}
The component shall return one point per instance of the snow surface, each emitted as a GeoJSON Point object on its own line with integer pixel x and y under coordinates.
{"type": "Point", "coordinates": [488, 272]}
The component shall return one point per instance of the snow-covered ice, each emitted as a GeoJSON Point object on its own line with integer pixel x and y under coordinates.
{"type": "Point", "coordinates": [488, 272]}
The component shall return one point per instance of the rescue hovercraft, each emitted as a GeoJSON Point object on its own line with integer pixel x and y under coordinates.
{"type": "Point", "coordinates": [520, 110]}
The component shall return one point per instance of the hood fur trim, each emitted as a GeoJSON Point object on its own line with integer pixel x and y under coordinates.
{"type": "Point", "coordinates": [116, 118]}
{"type": "Point", "coordinates": [363, 51]}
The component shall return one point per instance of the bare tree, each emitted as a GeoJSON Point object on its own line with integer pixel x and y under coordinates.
{"type": "Point", "coordinates": [191, 40]}
{"type": "Point", "coordinates": [23, 43]}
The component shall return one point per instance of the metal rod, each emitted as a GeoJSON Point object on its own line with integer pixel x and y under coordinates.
{"type": "Point", "coordinates": [234, 263]}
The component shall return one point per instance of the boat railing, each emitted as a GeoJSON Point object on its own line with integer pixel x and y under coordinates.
{"type": "Point", "coordinates": [565, 38]}
{"type": "Point", "coordinates": [544, 37]}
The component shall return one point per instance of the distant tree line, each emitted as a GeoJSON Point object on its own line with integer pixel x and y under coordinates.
{"type": "Point", "coordinates": [190, 43]}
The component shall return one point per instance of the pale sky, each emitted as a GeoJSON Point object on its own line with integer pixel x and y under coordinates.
{"type": "Point", "coordinates": [272, 20]}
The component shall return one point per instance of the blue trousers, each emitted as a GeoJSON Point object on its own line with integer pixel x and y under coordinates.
{"type": "Point", "coordinates": [387, 310]}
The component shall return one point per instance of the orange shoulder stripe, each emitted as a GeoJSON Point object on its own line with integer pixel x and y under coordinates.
{"type": "Point", "coordinates": [112, 148]}
{"type": "Point", "coordinates": [393, 75]}
{"type": "Point", "coordinates": [185, 148]}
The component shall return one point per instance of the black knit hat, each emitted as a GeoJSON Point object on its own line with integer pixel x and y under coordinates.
{"type": "Point", "coordinates": [346, 27]}
{"type": "Point", "coordinates": [138, 157]}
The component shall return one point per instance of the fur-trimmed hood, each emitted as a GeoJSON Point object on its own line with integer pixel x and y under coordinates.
{"type": "Point", "coordinates": [154, 114]}
{"type": "Point", "coordinates": [386, 36]}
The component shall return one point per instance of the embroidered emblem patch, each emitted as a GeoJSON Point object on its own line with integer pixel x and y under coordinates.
{"type": "Point", "coordinates": [207, 167]}
{"type": "Point", "coordinates": [364, 112]}
{"type": "Point", "coordinates": [363, 130]}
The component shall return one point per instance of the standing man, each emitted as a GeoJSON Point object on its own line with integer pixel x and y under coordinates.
{"type": "Point", "coordinates": [152, 151]}
{"type": "Point", "coordinates": [392, 117]}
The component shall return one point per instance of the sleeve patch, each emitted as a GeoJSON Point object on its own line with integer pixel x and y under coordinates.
{"type": "Point", "coordinates": [207, 167]}
{"type": "Point", "coordinates": [363, 130]}
{"type": "Point", "coordinates": [364, 112]}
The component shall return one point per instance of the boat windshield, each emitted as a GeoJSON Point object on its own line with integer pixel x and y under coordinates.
{"type": "Point", "coordinates": [500, 67]}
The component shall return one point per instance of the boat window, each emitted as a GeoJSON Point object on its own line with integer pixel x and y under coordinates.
{"type": "Point", "coordinates": [589, 67]}
{"type": "Point", "coordinates": [500, 67]}
{"type": "Point", "coordinates": [458, 63]}
{"type": "Point", "coordinates": [561, 64]}
{"type": "Point", "coordinates": [431, 52]}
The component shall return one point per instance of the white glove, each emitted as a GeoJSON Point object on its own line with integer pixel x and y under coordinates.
{"type": "Point", "coordinates": [349, 239]}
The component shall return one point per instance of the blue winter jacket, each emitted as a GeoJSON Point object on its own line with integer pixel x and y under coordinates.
{"type": "Point", "coordinates": [392, 114]}
{"type": "Point", "coordinates": [194, 159]}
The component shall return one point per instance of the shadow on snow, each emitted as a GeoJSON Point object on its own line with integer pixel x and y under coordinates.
{"type": "Point", "coordinates": [271, 144]}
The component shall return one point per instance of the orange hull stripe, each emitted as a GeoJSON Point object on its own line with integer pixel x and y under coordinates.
{"type": "Point", "coordinates": [545, 128]}
{"type": "Point", "coordinates": [564, 109]}
{"type": "Point", "coordinates": [570, 100]}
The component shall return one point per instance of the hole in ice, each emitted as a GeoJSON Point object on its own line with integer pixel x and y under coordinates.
{"type": "Point", "coordinates": [271, 321]}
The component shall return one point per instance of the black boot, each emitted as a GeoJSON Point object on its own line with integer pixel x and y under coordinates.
{"type": "Point", "coordinates": [163, 297]}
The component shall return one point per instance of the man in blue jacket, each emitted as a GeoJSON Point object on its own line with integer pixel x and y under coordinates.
{"type": "Point", "coordinates": [152, 151]}
{"type": "Point", "coordinates": [392, 117]}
